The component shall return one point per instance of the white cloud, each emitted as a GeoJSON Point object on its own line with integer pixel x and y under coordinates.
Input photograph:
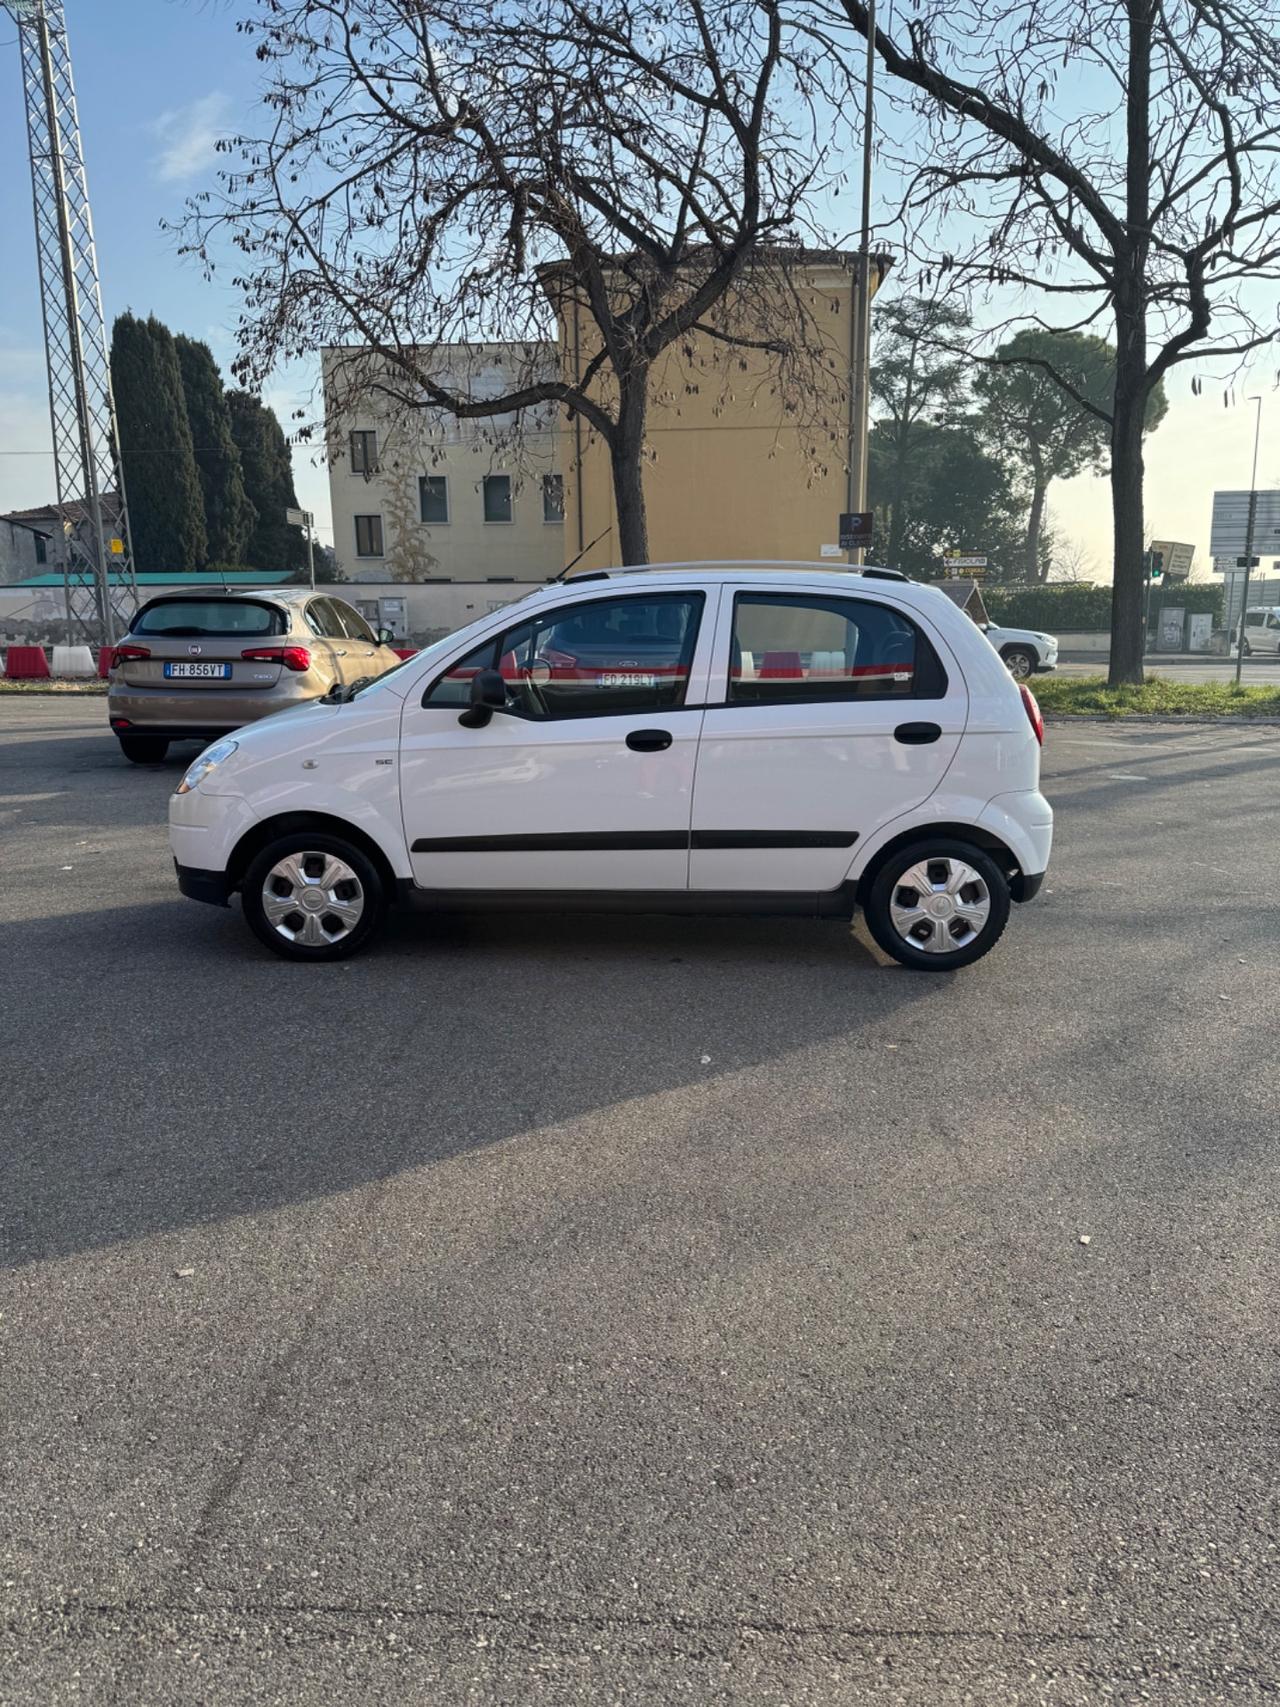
{"type": "Point", "coordinates": [187, 136]}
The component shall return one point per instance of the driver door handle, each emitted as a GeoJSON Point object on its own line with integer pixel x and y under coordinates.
{"type": "Point", "coordinates": [917, 734]}
{"type": "Point", "coordinates": [648, 740]}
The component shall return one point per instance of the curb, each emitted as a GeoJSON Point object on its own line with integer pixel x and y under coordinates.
{"type": "Point", "coordinates": [1179, 720]}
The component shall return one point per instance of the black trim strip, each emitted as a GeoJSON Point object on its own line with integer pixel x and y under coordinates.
{"type": "Point", "coordinates": [631, 841]}
{"type": "Point", "coordinates": [590, 841]}
{"type": "Point", "coordinates": [774, 838]}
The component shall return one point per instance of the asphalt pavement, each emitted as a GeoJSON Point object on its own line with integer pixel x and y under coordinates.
{"type": "Point", "coordinates": [591, 1311]}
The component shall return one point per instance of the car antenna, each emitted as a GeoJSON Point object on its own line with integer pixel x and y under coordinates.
{"type": "Point", "coordinates": [581, 555]}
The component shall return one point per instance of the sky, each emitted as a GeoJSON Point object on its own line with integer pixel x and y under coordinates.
{"type": "Point", "coordinates": [157, 82]}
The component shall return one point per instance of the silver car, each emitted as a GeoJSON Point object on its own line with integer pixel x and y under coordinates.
{"type": "Point", "coordinates": [194, 666]}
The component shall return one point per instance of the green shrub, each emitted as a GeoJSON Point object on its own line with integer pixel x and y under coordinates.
{"type": "Point", "coordinates": [1061, 609]}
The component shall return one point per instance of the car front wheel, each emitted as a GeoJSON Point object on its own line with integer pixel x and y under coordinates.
{"type": "Point", "coordinates": [1019, 661]}
{"type": "Point", "coordinates": [938, 905]}
{"type": "Point", "coordinates": [310, 896]}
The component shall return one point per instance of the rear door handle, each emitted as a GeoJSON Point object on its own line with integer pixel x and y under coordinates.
{"type": "Point", "coordinates": [648, 740]}
{"type": "Point", "coordinates": [917, 734]}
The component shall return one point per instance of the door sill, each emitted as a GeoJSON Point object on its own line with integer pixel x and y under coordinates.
{"type": "Point", "coordinates": [827, 904]}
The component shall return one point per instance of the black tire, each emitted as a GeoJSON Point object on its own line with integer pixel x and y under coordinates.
{"type": "Point", "coordinates": [878, 907]}
{"type": "Point", "coordinates": [1020, 662]}
{"type": "Point", "coordinates": [144, 749]}
{"type": "Point", "coordinates": [372, 898]}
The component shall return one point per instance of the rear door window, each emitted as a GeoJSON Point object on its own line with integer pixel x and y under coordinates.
{"type": "Point", "coordinates": [789, 648]}
{"type": "Point", "coordinates": [189, 618]}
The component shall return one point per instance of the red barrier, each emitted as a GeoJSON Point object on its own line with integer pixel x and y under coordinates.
{"type": "Point", "coordinates": [405, 651]}
{"type": "Point", "coordinates": [26, 664]}
{"type": "Point", "coordinates": [104, 660]}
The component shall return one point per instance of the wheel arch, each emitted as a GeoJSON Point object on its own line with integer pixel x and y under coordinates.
{"type": "Point", "coordinates": [990, 843]}
{"type": "Point", "coordinates": [267, 830]}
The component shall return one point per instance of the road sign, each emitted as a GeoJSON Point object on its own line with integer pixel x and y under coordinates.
{"type": "Point", "coordinates": [298, 518]}
{"type": "Point", "coordinates": [831, 550]}
{"type": "Point", "coordinates": [1228, 536]}
{"type": "Point", "coordinates": [1177, 558]}
{"type": "Point", "coordinates": [971, 561]}
{"type": "Point", "coordinates": [855, 529]}
{"type": "Point", "coordinates": [117, 548]}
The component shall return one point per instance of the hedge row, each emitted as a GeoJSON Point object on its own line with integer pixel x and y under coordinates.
{"type": "Point", "coordinates": [1064, 609]}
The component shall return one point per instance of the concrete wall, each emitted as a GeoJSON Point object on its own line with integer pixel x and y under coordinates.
{"type": "Point", "coordinates": [427, 442]}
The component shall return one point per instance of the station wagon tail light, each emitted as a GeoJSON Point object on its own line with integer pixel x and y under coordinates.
{"type": "Point", "coordinates": [292, 657]}
{"type": "Point", "coordinates": [129, 655]}
{"type": "Point", "coordinates": [1031, 706]}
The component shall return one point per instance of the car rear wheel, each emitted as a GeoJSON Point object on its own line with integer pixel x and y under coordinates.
{"type": "Point", "coordinates": [938, 905]}
{"type": "Point", "coordinates": [314, 897]}
{"type": "Point", "coordinates": [144, 749]}
{"type": "Point", "coordinates": [1019, 661]}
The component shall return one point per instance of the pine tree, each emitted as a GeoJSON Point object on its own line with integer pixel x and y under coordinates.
{"type": "Point", "coordinates": [228, 515]}
{"type": "Point", "coordinates": [162, 484]}
{"type": "Point", "coordinates": [268, 482]}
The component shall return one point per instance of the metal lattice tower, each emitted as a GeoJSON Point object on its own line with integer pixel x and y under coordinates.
{"type": "Point", "coordinates": [90, 485]}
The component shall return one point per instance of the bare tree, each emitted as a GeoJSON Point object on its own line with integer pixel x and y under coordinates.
{"type": "Point", "coordinates": [1114, 159]}
{"type": "Point", "coordinates": [449, 172]}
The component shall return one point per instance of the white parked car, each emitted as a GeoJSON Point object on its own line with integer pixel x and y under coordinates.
{"type": "Point", "coordinates": [755, 738]}
{"type": "Point", "coordinates": [1261, 630]}
{"type": "Point", "coordinates": [1025, 651]}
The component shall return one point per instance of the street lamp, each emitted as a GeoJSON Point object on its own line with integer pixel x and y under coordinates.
{"type": "Point", "coordinates": [1248, 536]}
{"type": "Point", "coordinates": [860, 377]}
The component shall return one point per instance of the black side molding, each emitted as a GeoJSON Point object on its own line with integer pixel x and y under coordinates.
{"type": "Point", "coordinates": [632, 841]}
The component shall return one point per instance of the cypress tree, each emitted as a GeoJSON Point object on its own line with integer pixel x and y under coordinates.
{"type": "Point", "coordinates": [228, 515]}
{"type": "Point", "coordinates": [166, 507]}
{"type": "Point", "coordinates": [268, 483]}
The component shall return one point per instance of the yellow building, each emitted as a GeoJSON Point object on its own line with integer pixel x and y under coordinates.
{"type": "Point", "coordinates": [738, 464]}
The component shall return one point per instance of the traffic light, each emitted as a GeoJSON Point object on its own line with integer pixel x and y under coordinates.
{"type": "Point", "coordinates": [1154, 565]}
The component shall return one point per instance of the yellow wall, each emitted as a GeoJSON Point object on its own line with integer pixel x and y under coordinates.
{"type": "Point", "coordinates": [730, 473]}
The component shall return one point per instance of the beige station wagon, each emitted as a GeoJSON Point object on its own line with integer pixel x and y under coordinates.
{"type": "Point", "coordinates": [194, 666]}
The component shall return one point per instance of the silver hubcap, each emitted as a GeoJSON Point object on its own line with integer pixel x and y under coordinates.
{"type": "Point", "coordinates": [1018, 665]}
{"type": "Point", "coordinates": [940, 904]}
{"type": "Point", "coordinates": [312, 898]}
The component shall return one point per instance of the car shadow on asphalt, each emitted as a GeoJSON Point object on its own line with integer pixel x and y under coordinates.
{"type": "Point", "coordinates": [207, 1078]}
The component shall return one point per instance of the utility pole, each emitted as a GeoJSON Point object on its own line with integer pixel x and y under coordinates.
{"type": "Point", "coordinates": [1248, 536]}
{"type": "Point", "coordinates": [86, 447]}
{"type": "Point", "coordinates": [860, 351]}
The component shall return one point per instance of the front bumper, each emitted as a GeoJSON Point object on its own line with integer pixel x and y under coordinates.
{"type": "Point", "coordinates": [200, 885]}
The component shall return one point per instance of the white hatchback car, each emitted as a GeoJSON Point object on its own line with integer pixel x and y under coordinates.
{"type": "Point", "coordinates": [761, 738]}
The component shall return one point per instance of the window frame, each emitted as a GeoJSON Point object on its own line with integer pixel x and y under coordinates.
{"type": "Point", "coordinates": [928, 663]}
{"type": "Point", "coordinates": [552, 521]}
{"type": "Point", "coordinates": [371, 516]}
{"type": "Point", "coordinates": [448, 508]}
{"type": "Point", "coordinates": [697, 596]}
{"type": "Point", "coordinates": [497, 521]}
{"type": "Point", "coordinates": [362, 463]}
{"type": "Point", "coordinates": [42, 547]}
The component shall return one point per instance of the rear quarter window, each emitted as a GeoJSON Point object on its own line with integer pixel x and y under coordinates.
{"type": "Point", "coordinates": [186, 618]}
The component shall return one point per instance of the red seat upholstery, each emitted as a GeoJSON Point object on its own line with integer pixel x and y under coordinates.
{"type": "Point", "coordinates": [781, 664]}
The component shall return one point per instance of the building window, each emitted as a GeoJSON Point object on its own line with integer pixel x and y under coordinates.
{"type": "Point", "coordinates": [364, 453]}
{"type": "Point", "coordinates": [433, 498]}
{"type": "Point", "coordinates": [42, 549]}
{"type": "Point", "coordinates": [497, 497]}
{"type": "Point", "coordinates": [553, 497]}
{"type": "Point", "coordinates": [368, 536]}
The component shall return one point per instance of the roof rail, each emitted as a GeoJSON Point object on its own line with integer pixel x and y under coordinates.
{"type": "Point", "coordinates": [827, 567]}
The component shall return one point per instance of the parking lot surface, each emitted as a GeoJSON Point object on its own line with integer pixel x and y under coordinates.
{"type": "Point", "coordinates": [601, 1310]}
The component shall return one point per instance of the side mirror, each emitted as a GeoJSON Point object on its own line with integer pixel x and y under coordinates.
{"type": "Point", "coordinates": [385, 637]}
{"type": "Point", "coordinates": [488, 694]}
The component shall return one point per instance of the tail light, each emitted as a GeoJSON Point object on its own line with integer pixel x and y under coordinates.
{"type": "Point", "coordinates": [1032, 709]}
{"type": "Point", "coordinates": [292, 657]}
{"type": "Point", "coordinates": [129, 655]}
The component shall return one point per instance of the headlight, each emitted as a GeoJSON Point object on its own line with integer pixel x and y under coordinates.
{"type": "Point", "coordinates": [208, 761]}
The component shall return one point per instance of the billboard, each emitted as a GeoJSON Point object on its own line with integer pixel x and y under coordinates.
{"type": "Point", "coordinates": [1178, 558]}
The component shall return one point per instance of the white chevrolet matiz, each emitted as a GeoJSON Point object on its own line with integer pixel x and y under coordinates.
{"type": "Point", "coordinates": [761, 738]}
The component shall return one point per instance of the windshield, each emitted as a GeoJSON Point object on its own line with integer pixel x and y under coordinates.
{"type": "Point", "coordinates": [233, 617]}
